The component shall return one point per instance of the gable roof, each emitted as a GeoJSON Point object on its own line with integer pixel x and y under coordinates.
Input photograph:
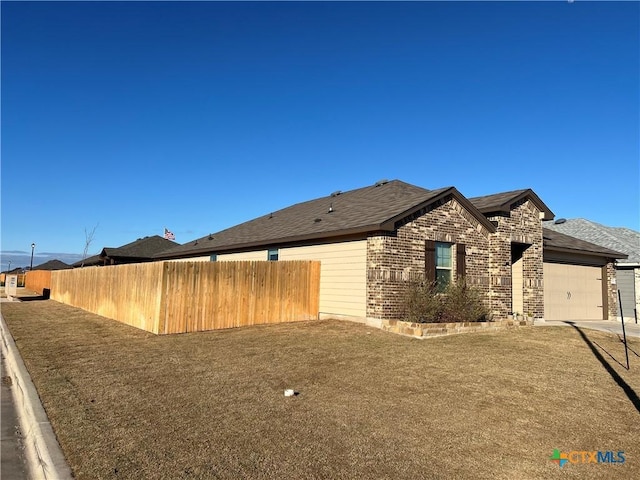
{"type": "Point", "coordinates": [141, 249]}
{"type": "Point", "coordinates": [368, 209]}
{"type": "Point", "coordinates": [145, 247]}
{"type": "Point", "coordinates": [620, 239]}
{"type": "Point", "coordinates": [88, 262]}
{"type": "Point", "coordinates": [499, 203]}
{"type": "Point", "coordinates": [53, 265]}
{"type": "Point", "coordinates": [559, 242]}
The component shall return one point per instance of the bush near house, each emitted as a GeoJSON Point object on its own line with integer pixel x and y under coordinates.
{"type": "Point", "coordinates": [458, 302]}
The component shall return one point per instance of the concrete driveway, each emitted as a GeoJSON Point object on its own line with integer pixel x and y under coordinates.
{"type": "Point", "coordinates": [632, 329]}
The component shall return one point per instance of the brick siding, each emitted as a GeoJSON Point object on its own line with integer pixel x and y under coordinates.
{"type": "Point", "coordinates": [522, 226]}
{"type": "Point", "coordinates": [395, 259]}
{"type": "Point", "coordinates": [612, 291]}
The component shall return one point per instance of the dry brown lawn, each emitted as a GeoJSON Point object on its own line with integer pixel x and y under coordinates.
{"type": "Point", "coordinates": [371, 405]}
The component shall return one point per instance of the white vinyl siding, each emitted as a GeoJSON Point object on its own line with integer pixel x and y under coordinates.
{"type": "Point", "coordinates": [192, 259]}
{"type": "Point", "coordinates": [343, 279]}
{"type": "Point", "coordinates": [572, 292]}
{"type": "Point", "coordinates": [243, 256]}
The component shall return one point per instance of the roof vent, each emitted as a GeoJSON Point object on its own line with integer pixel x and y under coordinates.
{"type": "Point", "coordinates": [381, 182]}
{"type": "Point", "coordinates": [336, 193]}
{"type": "Point", "coordinates": [330, 208]}
{"type": "Point", "coordinates": [560, 221]}
{"type": "Point", "coordinates": [318, 220]}
{"type": "Point", "coordinates": [210, 236]}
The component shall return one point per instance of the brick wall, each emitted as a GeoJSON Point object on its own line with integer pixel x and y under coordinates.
{"type": "Point", "coordinates": [612, 291]}
{"type": "Point", "coordinates": [398, 258]}
{"type": "Point", "coordinates": [522, 226]}
{"type": "Point", "coordinates": [394, 259]}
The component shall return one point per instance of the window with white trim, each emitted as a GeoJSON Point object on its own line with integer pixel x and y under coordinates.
{"type": "Point", "coordinates": [444, 264]}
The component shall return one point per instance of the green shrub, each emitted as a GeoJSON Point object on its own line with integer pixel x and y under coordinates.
{"type": "Point", "coordinates": [423, 303]}
{"type": "Point", "coordinates": [458, 303]}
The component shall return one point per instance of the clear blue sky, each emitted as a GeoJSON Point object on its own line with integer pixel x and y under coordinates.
{"type": "Point", "coordinates": [198, 116]}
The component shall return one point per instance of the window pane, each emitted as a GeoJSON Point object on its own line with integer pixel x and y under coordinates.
{"type": "Point", "coordinates": [443, 278]}
{"type": "Point", "coordinates": [273, 254]}
{"type": "Point", "coordinates": [443, 255]}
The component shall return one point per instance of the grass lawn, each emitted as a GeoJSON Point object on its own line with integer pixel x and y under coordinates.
{"type": "Point", "coordinates": [127, 404]}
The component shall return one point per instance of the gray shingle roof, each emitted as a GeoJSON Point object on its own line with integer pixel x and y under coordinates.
{"type": "Point", "coordinates": [622, 240]}
{"type": "Point", "coordinates": [89, 261]}
{"type": "Point", "coordinates": [557, 241]}
{"type": "Point", "coordinates": [141, 249]}
{"type": "Point", "coordinates": [53, 265]}
{"type": "Point", "coordinates": [372, 208]}
{"type": "Point", "coordinates": [145, 247]}
{"type": "Point", "coordinates": [501, 202]}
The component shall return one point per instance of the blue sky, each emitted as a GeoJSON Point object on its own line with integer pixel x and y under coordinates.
{"type": "Point", "coordinates": [198, 116]}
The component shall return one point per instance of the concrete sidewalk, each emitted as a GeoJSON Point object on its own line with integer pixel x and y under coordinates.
{"type": "Point", "coordinates": [610, 326]}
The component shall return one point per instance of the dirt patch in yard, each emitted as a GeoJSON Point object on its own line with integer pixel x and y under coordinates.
{"type": "Point", "coordinates": [127, 404]}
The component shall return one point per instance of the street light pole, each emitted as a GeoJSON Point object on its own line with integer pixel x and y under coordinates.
{"type": "Point", "coordinates": [9, 271]}
{"type": "Point", "coordinates": [33, 245]}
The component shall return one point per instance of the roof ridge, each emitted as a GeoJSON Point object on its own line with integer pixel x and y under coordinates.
{"type": "Point", "coordinates": [518, 191]}
{"type": "Point", "coordinates": [354, 212]}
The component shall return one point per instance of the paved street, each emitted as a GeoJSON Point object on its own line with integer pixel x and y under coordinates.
{"type": "Point", "coordinates": [12, 465]}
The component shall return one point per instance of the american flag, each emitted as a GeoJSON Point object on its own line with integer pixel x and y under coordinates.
{"type": "Point", "coordinates": [168, 234]}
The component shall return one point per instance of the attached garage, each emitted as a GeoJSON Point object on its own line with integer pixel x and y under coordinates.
{"type": "Point", "coordinates": [573, 292]}
{"type": "Point", "coordinates": [579, 279]}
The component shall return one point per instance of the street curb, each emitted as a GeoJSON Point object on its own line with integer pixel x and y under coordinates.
{"type": "Point", "coordinates": [44, 456]}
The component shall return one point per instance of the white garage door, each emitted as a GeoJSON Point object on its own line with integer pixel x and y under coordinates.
{"type": "Point", "coordinates": [572, 292]}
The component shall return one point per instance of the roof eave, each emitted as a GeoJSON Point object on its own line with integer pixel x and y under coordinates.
{"type": "Point", "coordinates": [612, 255]}
{"type": "Point", "coordinates": [390, 223]}
{"type": "Point", "coordinates": [505, 208]}
{"type": "Point", "coordinates": [548, 214]}
{"type": "Point", "coordinates": [267, 243]}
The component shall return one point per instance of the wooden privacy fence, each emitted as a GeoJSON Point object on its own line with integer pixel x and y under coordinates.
{"type": "Point", "coordinates": [179, 297]}
{"type": "Point", "coordinates": [21, 276]}
{"type": "Point", "coordinates": [38, 280]}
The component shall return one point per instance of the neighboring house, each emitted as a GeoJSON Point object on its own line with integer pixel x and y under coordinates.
{"type": "Point", "coordinates": [372, 241]}
{"type": "Point", "coordinates": [93, 261]}
{"type": "Point", "coordinates": [142, 250]}
{"type": "Point", "coordinates": [15, 271]}
{"type": "Point", "coordinates": [53, 265]}
{"type": "Point", "coordinates": [623, 240]}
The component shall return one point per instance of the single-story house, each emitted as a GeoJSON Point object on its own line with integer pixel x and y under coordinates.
{"type": "Point", "coordinates": [92, 261]}
{"type": "Point", "coordinates": [141, 250]}
{"type": "Point", "coordinates": [373, 241]}
{"type": "Point", "coordinates": [53, 265]}
{"type": "Point", "coordinates": [619, 239]}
